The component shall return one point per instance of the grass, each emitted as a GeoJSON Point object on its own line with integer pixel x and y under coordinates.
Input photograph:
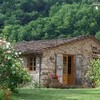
{"type": "Point", "coordinates": [57, 94]}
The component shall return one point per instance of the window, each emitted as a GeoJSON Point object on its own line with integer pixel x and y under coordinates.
{"type": "Point", "coordinates": [64, 61]}
{"type": "Point", "coordinates": [32, 64]}
{"type": "Point", "coordinates": [94, 47]}
{"type": "Point", "coordinates": [95, 52]}
{"type": "Point", "coordinates": [69, 64]}
{"type": "Point", "coordinates": [64, 65]}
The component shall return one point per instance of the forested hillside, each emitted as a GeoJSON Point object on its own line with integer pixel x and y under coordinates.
{"type": "Point", "coordinates": [48, 19]}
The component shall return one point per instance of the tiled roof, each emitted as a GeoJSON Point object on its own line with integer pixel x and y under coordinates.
{"type": "Point", "coordinates": [40, 45]}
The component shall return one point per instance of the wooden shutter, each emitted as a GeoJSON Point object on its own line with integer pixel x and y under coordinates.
{"type": "Point", "coordinates": [59, 61]}
{"type": "Point", "coordinates": [78, 66]}
{"type": "Point", "coordinates": [37, 63]}
{"type": "Point", "coordinates": [59, 66]}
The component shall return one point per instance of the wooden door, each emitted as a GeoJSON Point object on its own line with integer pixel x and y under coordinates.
{"type": "Point", "coordinates": [68, 70]}
{"type": "Point", "coordinates": [65, 70]}
{"type": "Point", "coordinates": [71, 70]}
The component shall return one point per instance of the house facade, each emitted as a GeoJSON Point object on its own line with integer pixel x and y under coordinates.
{"type": "Point", "coordinates": [68, 58]}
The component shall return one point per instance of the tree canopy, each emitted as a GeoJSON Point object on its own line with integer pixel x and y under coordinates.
{"type": "Point", "coordinates": [47, 19]}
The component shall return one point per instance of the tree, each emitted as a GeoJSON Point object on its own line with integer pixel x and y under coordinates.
{"type": "Point", "coordinates": [47, 19]}
{"type": "Point", "coordinates": [12, 74]}
{"type": "Point", "coordinates": [98, 35]}
{"type": "Point", "coordinates": [11, 32]}
{"type": "Point", "coordinates": [2, 18]}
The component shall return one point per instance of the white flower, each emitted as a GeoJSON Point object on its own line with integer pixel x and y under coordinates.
{"type": "Point", "coordinates": [7, 45]}
{"type": "Point", "coordinates": [21, 59]}
{"type": "Point", "coordinates": [12, 82]}
{"type": "Point", "coordinates": [13, 72]}
{"type": "Point", "coordinates": [16, 53]}
{"type": "Point", "coordinates": [8, 51]}
{"type": "Point", "coordinates": [0, 40]}
{"type": "Point", "coordinates": [19, 53]}
{"type": "Point", "coordinates": [4, 42]}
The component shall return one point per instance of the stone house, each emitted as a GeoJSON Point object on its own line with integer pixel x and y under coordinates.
{"type": "Point", "coordinates": [68, 58]}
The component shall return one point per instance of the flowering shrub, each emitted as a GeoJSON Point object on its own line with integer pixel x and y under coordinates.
{"type": "Point", "coordinates": [94, 72]}
{"type": "Point", "coordinates": [12, 74]}
{"type": "Point", "coordinates": [53, 76]}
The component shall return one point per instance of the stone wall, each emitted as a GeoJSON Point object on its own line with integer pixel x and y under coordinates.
{"type": "Point", "coordinates": [80, 49]}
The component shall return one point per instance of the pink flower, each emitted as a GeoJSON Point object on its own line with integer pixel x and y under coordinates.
{"type": "Point", "coordinates": [53, 76]}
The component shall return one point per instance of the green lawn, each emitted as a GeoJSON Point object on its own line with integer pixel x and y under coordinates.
{"type": "Point", "coordinates": [57, 94]}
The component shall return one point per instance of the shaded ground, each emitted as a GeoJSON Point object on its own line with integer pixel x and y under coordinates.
{"type": "Point", "coordinates": [57, 94]}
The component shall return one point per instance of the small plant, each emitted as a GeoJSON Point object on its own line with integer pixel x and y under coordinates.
{"type": "Point", "coordinates": [54, 82]}
{"type": "Point", "coordinates": [35, 84]}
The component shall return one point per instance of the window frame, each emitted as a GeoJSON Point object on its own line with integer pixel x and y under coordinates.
{"type": "Point", "coordinates": [31, 63]}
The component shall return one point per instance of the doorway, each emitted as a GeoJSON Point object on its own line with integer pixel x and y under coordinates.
{"type": "Point", "coordinates": [68, 70]}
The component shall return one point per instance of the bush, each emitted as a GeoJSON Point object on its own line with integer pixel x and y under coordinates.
{"type": "Point", "coordinates": [2, 94]}
{"type": "Point", "coordinates": [12, 74]}
{"type": "Point", "coordinates": [94, 72]}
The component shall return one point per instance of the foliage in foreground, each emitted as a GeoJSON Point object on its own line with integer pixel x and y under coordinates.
{"type": "Point", "coordinates": [12, 74]}
{"type": "Point", "coordinates": [94, 72]}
